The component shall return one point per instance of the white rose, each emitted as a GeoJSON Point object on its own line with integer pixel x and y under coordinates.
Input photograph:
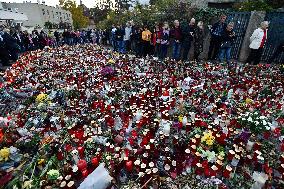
{"type": "Point", "coordinates": [137, 162]}
{"type": "Point", "coordinates": [264, 122]}
{"type": "Point", "coordinates": [151, 164]}
{"type": "Point", "coordinates": [250, 119]}
{"type": "Point", "coordinates": [155, 170]}
{"type": "Point", "coordinates": [143, 165]}
{"type": "Point", "coordinates": [167, 167]}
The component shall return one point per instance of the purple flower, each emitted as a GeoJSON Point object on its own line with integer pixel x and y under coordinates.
{"type": "Point", "coordinates": [107, 71]}
{"type": "Point", "coordinates": [245, 135]}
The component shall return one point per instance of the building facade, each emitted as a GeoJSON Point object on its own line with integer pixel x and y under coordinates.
{"type": "Point", "coordinates": [41, 15]}
{"type": "Point", "coordinates": [11, 18]}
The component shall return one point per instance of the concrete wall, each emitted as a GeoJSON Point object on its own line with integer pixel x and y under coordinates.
{"type": "Point", "coordinates": [38, 14]}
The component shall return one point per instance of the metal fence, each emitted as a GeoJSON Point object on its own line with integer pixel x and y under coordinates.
{"type": "Point", "coordinates": [241, 21]}
{"type": "Point", "coordinates": [275, 36]}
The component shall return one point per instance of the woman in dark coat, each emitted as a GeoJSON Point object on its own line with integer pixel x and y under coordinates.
{"type": "Point", "coordinates": [227, 37]}
{"type": "Point", "coordinates": [198, 40]}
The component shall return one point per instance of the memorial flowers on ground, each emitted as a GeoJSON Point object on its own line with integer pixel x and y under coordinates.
{"type": "Point", "coordinates": [83, 116]}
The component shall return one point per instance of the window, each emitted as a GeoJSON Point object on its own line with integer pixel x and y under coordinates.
{"type": "Point", "coordinates": [43, 11]}
{"type": "Point", "coordinates": [47, 12]}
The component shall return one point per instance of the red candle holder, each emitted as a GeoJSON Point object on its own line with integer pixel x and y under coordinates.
{"type": "Point", "coordinates": [256, 146]}
{"type": "Point", "coordinates": [231, 155]}
{"type": "Point", "coordinates": [199, 169]}
{"type": "Point", "coordinates": [227, 171]}
{"type": "Point", "coordinates": [282, 158]}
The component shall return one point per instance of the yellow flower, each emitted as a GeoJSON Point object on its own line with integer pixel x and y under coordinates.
{"type": "Point", "coordinates": [249, 101]}
{"type": "Point", "coordinates": [111, 61]}
{"type": "Point", "coordinates": [40, 161]}
{"type": "Point", "coordinates": [41, 98]}
{"type": "Point", "coordinates": [208, 138]}
{"type": "Point", "coordinates": [180, 117]}
{"type": "Point", "coordinates": [4, 154]}
{"type": "Point", "coordinates": [209, 142]}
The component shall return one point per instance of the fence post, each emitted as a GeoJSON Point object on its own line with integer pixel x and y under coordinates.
{"type": "Point", "coordinates": [255, 19]}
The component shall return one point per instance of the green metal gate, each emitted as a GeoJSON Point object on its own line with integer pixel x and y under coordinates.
{"type": "Point", "coordinates": [275, 36]}
{"type": "Point", "coordinates": [241, 21]}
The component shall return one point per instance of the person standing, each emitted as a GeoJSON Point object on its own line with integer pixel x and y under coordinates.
{"type": "Point", "coordinates": [4, 54]}
{"type": "Point", "coordinates": [11, 44]}
{"type": "Point", "coordinates": [146, 38]}
{"type": "Point", "coordinates": [57, 37]}
{"type": "Point", "coordinates": [176, 35]}
{"type": "Point", "coordinates": [257, 42]}
{"type": "Point", "coordinates": [227, 37]}
{"type": "Point", "coordinates": [35, 40]}
{"type": "Point", "coordinates": [119, 38]}
{"type": "Point", "coordinates": [113, 37]}
{"type": "Point", "coordinates": [157, 40]}
{"type": "Point", "coordinates": [187, 38]}
{"type": "Point", "coordinates": [215, 42]}
{"type": "Point", "coordinates": [128, 33]}
{"type": "Point", "coordinates": [199, 40]}
{"type": "Point", "coordinates": [165, 37]}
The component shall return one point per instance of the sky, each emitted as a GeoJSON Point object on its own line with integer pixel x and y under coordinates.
{"type": "Point", "coordinates": [88, 3]}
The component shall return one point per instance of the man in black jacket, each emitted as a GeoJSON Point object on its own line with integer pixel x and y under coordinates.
{"type": "Point", "coordinates": [187, 37]}
{"type": "Point", "coordinates": [215, 43]}
{"type": "Point", "coordinates": [119, 38]}
{"type": "Point", "coordinates": [11, 44]}
{"type": "Point", "coordinates": [4, 54]}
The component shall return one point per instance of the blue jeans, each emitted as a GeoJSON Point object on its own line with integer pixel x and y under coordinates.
{"type": "Point", "coordinates": [121, 46]}
{"type": "Point", "coordinates": [176, 50]}
{"type": "Point", "coordinates": [163, 51]}
{"type": "Point", "coordinates": [225, 52]}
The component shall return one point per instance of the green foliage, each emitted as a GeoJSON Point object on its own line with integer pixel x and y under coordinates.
{"type": "Point", "coordinates": [275, 3]}
{"type": "Point", "coordinates": [253, 5]}
{"type": "Point", "coordinates": [208, 14]}
{"type": "Point", "coordinates": [159, 12]}
{"type": "Point", "coordinates": [79, 20]}
{"type": "Point", "coordinates": [48, 25]}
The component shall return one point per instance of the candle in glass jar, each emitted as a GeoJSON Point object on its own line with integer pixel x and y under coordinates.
{"type": "Point", "coordinates": [227, 171]}
{"type": "Point", "coordinates": [231, 155]}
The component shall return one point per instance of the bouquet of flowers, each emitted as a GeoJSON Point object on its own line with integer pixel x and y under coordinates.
{"type": "Point", "coordinates": [107, 71]}
{"type": "Point", "coordinates": [255, 122]}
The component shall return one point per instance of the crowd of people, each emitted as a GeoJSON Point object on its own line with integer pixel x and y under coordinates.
{"type": "Point", "coordinates": [143, 40]}
{"type": "Point", "coordinates": [180, 39]}
{"type": "Point", "coordinates": [14, 42]}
